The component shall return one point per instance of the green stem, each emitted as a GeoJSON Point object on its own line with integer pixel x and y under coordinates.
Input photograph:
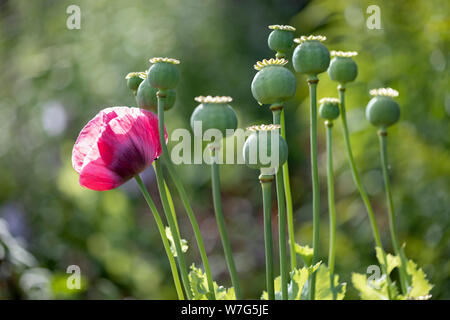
{"type": "Point", "coordinates": [184, 199]}
{"type": "Point", "coordinates": [359, 186]}
{"type": "Point", "coordinates": [289, 206]}
{"type": "Point", "coordinates": [266, 185]}
{"type": "Point", "coordinates": [172, 207]}
{"type": "Point", "coordinates": [382, 134]}
{"type": "Point", "coordinates": [215, 181]}
{"type": "Point", "coordinates": [164, 239]}
{"type": "Point", "coordinates": [312, 82]}
{"type": "Point", "coordinates": [170, 201]}
{"type": "Point", "coordinates": [173, 228]}
{"type": "Point", "coordinates": [331, 205]}
{"type": "Point", "coordinates": [281, 218]}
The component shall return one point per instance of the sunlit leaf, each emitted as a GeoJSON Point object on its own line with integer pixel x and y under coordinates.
{"type": "Point", "coordinates": [198, 283]}
{"type": "Point", "coordinates": [373, 289]}
{"type": "Point", "coordinates": [199, 287]}
{"type": "Point", "coordinates": [420, 286]}
{"type": "Point", "coordinates": [184, 243]}
{"type": "Point", "coordinates": [392, 261]}
{"type": "Point", "coordinates": [305, 252]}
{"type": "Point", "coordinates": [324, 290]}
{"type": "Point", "coordinates": [296, 286]}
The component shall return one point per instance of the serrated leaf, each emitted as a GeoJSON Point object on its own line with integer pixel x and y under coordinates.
{"type": "Point", "coordinates": [297, 283]}
{"type": "Point", "coordinates": [199, 287]}
{"type": "Point", "coordinates": [392, 261]}
{"type": "Point", "coordinates": [306, 286]}
{"type": "Point", "coordinates": [184, 243]}
{"type": "Point", "coordinates": [296, 286]}
{"type": "Point", "coordinates": [305, 252]}
{"type": "Point", "coordinates": [373, 289]}
{"type": "Point", "coordinates": [198, 283]}
{"type": "Point", "coordinates": [420, 287]}
{"type": "Point", "coordinates": [324, 290]}
{"type": "Point", "coordinates": [223, 293]}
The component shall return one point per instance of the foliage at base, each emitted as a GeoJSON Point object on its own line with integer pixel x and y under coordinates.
{"type": "Point", "coordinates": [199, 287]}
{"type": "Point", "coordinates": [376, 289]}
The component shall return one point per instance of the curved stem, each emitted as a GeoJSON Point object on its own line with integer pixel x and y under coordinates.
{"type": "Point", "coordinates": [184, 199]}
{"type": "Point", "coordinates": [175, 235]}
{"type": "Point", "coordinates": [312, 82]}
{"type": "Point", "coordinates": [359, 186]}
{"type": "Point", "coordinates": [267, 203]}
{"type": "Point", "coordinates": [172, 207]}
{"type": "Point", "coordinates": [215, 181]}
{"type": "Point", "coordinates": [162, 232]}
{"type": "Point", "coordinates": [170, 201]}
{"type": "Point", "coordinates": [281, 220]}
{"type": "Point", "coordinates": [382, 134]}
{"type": "Point", "coordinates": [331, 205]}
{"type": "Point", "coordinates": [289, 206]}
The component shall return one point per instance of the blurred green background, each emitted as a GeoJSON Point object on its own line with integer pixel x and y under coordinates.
{"type": "Point", "coordinates": [53, 80]}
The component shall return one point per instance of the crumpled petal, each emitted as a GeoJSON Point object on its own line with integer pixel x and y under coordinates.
{"type": "Point", "coordinates": [89, 135]}
{"type": "Point", "coordinates": [117, 144]}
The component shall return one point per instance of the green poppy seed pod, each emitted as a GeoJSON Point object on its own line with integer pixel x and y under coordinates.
{"type": "Point", "coordinates": [163, 74]}
{"type": "Point", "coordinates": [134, 79]}
{"type": "Point", "coordinates": [281, 39]}
{"type": "Point", "coordinates": [342, 67]}
{"type": "Point", "coordinates": [273, 82]}
{"type": "Point", "coordinates": [329, 108]}
{"type": "Point", "coordinates": [382, 110]}
{"type": "Point", "coordinates": [214, 113]}
{"type": "Point", "coordinates": [265, 147]}
{"type": "Point", "coordinates": [311, 56]}
{"type": "Point", "coordinates": [147, 99]}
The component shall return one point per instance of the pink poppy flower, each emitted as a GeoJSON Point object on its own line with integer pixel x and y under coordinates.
{"type": "Point", "coordinates": [117, 144]}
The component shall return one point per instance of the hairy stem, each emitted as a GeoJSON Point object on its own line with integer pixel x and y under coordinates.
{"type": "Point", "coordinates": [170, 220]}
{"type": "Point", "coordinates": [162, 232]}
{"type": "Point", "coordinates": [215, 181]}
{"type": "Point", "coordinates": [312, 82]}
{"type": "Point", "coordinates": [289, 206]}
{"type": "Point", "coordinates": [281, 219]}
{"type": "Point", "coordinates": [382, 134]}
{"type": "Point", "coordinates": [266, 183]}
{"type": "Point", "coordinates": [184, 199]}
{"type": "Point", "coordinates": [331, 205]}
{"type": "Point", "coordinates": [359, 186]}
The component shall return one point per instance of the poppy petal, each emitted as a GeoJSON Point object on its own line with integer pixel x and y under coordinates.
{"type": "Point", "coordinates": [117, 144]}
{"type": "Point", "coordinates": [89, 135]}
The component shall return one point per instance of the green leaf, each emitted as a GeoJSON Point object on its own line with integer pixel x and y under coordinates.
{"type": "Point", "coordinates": [264, 296]}
{"type": "Point", "coordinates": [198, 283]}
{"type": "Point", "coordinates": [374, 289]}
{"type": "Point", "coordinates": [296, 285]}
{"type": "Point", "coordinates": [184, 243]}
{"type": "Point", "coordinates": [298, 280]}
{"type": "Point", "coordinates": [305, 292]}
{"type": "Point", "coordinates": [223, 293]}
{"type": "Point", "coordinates": [324, 289]}
{"type": "Point", "coordinates": [420, 287]}
{"type": "Point", "coordinates": [392, 261]}
{"type": "Point", "coordinates": [305, 252]}
{"type": "Point", "coordinates": [199, 287]}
